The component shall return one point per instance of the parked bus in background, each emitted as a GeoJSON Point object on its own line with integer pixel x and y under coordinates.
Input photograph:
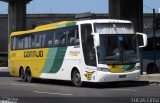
{"type": "Point", "coordinates": [151, 55]}
{"type": "Point", "coordinates": [96, 50]}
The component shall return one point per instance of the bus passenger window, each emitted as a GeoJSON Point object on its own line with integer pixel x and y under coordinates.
{"type": "Point", "coordinates": [72, 40]}
{"type": "Point", "coordinates": [71, 37]}
{"type": "Point", "coordinates": [20, 43]}
{"type": "Point", "coordinates": [43, 40]}
{"type": "Point", "coordinates": [38, 40]}
{"type": "Point", "coordinates": [56, 42]}
{"type": "Point", "coordinates": [77, 36]}
{"type": "Point", "coordinates": [63, 38]}
{"type": "Point", "coordinates": [58, 37]}
{"type": "Point", "coordinates": [29, 42]}
{"type": "Point", "coordinates": [63, 41]}
{"type": "Point", "coordinates": [13, 42]}
{"type": "Point", "coordinates": [55, 39]}
{"type": "Point", "coordinates": [50, 43]}
{"type": "Point", "coordinates": [46, 39]}
{"type": "Point", "coordinates": [25, 40]}
{"type": "Point", "coordinates": [33, 41]}
{"type": "Point", "coordinates": [77, 41]}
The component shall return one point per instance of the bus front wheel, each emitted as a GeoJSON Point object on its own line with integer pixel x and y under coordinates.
{"type": "Point", "coordinates": [76, 78]}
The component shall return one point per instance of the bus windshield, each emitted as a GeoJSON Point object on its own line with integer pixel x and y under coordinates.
{"type": "Point", "coordinates": [118, 44]}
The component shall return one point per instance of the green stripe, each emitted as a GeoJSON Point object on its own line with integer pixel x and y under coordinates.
{"type": "Point", "coordinates": [49, 61]}
{"type": "Point", "coordinates": [58, 59]}
{"type": "Point", "coordinates": [61, 26]}
{"type": "Point", "coordinates": [67, 25]}
{"type": "Point", "coordinates": [54, 60]}
{"type": "Point", "coordinates": [71, 24]}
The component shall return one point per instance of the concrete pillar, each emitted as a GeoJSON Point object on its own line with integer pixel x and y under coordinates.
{"type": "Point", "coordinates": [16, 15]}
{"type": "Point", "coordinates": [127, 10]}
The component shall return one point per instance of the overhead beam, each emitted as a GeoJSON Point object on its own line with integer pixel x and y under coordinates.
{"type": "Point", "coordinates": [27, 1]}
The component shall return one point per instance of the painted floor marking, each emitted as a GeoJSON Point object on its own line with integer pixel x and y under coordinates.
{"type": "Point", "coordinates": [123, 90]}
{"type": "Point", "coordinates": [154, 84]}
{"type": "Point", "coordinates": [21, 84]}
{"type": "Point", "coordinates": [52, 93]}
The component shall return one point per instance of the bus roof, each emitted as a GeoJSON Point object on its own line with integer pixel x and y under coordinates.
{"type": "Point", "coordinates": [46, 27]}
{"type": "Point", "coordinates": [66, 24]}
{"type": "Point", "coordinates": [103, 21]}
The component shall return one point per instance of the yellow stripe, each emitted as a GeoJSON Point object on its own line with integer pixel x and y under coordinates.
{"type": "Point", "coordinates": [42, 28]}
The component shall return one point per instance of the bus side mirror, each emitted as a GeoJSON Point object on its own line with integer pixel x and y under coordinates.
{"type": "Point", "coordinates": [142, 38]}
{"type": "Point", "coordinates": [96, 39]}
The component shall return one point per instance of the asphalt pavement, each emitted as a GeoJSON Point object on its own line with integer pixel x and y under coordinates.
{"type": "Point", "coordinates": [151, 78]}
{"type": "Point", "coordinates": [13, 90]}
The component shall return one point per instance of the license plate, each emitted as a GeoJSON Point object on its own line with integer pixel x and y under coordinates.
{"type": "Point", "coordinates": [122, 76]}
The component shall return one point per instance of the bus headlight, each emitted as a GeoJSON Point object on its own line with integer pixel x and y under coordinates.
{"type": "Point", "coordinates": [103, 69]}
{"type": "Point", "coordinates": [137, 68]}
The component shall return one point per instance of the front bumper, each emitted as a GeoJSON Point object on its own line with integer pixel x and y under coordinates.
{"type": "Point", "coordinates": [100, 76]}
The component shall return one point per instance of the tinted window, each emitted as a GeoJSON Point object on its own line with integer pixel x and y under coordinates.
{"type": "Point", "coordinates": [50, 38]}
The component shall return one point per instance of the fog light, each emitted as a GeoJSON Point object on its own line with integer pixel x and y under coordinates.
{"type": "Point", "coordinates": [102, 79]}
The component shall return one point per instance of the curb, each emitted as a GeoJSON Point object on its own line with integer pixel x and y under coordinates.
{"type": "Point", "coordinates": [151, 78]}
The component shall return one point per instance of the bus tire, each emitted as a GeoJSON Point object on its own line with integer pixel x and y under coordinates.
{"type": "Point", "coordinates": [151, 68]}
{"type": "Point", "coordinates": [22, 75]}
{"type": "Point", "coordinates": [29, 75]}
{"type": "Point", "coordinates": [76, 78]}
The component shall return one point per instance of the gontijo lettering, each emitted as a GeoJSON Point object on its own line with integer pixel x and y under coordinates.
{"type": "Point", "coordinates": [30, 54]}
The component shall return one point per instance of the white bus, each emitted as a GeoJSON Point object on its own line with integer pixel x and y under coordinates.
{"type": "Point", "coordinates": [97, 50]}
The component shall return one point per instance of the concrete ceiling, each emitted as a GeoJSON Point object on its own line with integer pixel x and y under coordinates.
{"type": "Point", "coordinates": [27, 1]}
